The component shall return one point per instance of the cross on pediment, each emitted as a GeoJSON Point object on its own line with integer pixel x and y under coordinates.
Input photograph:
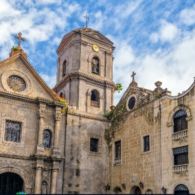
{"type": "Point", "coordinates": [19, 38]}
{"type": "Point", "coordinates": [133, 76]}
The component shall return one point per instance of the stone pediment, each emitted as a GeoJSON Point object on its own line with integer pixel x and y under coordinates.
{"type": "Point", "coordinates": [18, 77]}
{"type": "Point", "coordinates": [141, 95]}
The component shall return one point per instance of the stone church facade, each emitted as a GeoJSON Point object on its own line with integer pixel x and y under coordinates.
{"type": "Point", "coordinates": [143, 145]}
{"type": "Point", "coordinates": [151, 141]}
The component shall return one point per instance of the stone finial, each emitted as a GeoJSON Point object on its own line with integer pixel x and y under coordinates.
{"type": "Point", "coordinates": [158, 84]}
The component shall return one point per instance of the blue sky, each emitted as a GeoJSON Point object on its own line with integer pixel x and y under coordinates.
{"type": "Point", "coordinates": [154, 38]}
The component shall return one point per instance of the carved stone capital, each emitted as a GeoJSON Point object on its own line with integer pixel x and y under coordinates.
{"type": "Point", "coordinates": [58, 114]}
{"type": "Point", "coordinates": [42, 109]}
{"type": "Point", "coordinates": [56, 166]}
{"type": "Point", "coordinates": [39, 164]}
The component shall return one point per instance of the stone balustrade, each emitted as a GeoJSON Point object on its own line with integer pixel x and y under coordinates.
{"type": "Point", "coordinates": [180, 168]}
{"type": "Point", "coordinates": [180, 135]}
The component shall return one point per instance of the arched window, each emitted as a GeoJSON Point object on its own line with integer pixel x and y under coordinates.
{"type": "Point", "coordinates": [44, 187]}
{"type": "Point", "coordinates": [47, 138]}
{"type": "Point", "coordinates": [95, 98]}
{"type": "Point", "coordinates": [95, 65]}
{"type": "Point", "coordinates": [181, 189]}
{"type": "Point", "coordinates": [179, 119]}
{"type": "Point", "coordinates": [61, 94]}
{"type": "Point", "coordinates": [64, 68]}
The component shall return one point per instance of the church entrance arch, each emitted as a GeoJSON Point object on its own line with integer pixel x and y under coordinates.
{"type": "Point", "coordinates": [181, 190]}
{"type": "Point", "coordinates": [11, 183]}
{"type": "Point", "coordinates": [135, 190]}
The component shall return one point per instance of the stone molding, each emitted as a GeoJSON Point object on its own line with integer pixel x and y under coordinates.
{"type": "Point", "coordinates": [88, 116]}
{"type": "Point", "coordinates": [86, 77]}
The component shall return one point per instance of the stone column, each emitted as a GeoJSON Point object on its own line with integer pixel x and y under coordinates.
{"type": "Point", "coordinates": [58, 115]}
{"type": "Point", "coordinates": [42, 108]}
{"type": "Point", "coordinates": [54, 177]}
{"type": "Point", "coordinates": [38, 176]}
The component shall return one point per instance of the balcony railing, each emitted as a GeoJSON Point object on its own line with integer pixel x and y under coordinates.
{"type": "Point", "coordinates": [180, 135]}
{"type": "Point", "coordinates": [180, 169]}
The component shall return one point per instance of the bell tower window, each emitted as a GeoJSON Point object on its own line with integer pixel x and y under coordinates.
{"type": "Point", "coordinates": [64, 68]}
{"type": "Point", "coordinates": [95, 65]}
{"type": "Point", "coordinates": [95, 98]}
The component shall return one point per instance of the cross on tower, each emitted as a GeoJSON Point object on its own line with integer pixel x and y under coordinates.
{"type": "Point", "coordinates": [133, 76]}
{"type": "Point", "coordinates": [86, 20]}
{"type": "Point", "coordinates": [20, 38]}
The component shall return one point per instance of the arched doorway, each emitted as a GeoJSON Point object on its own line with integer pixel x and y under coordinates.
{"type": "Point", "coordinates": [181, 190]}
{"type": "Point", "coordinates": [135, 190]}
{"type": "Point", "coordinates": [117, 190]}
{"type": "Point", "coordinates": [11, 183]}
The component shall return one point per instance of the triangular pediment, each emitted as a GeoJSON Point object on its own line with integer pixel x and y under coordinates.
{"type": "Point", "coordinates": [18, 77]}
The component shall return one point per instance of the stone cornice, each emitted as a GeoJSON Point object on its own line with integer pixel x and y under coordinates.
{"type": "Point", "coordinates": [31, 157]}
{"type": "Point", "coordinates": [85, 77]}
{"type": "Point", "coordinates": [29, 99]}
{"type": "Point", "coordinates": [88, 116]}
{"type": "Point", "coordinates": [14, 156]}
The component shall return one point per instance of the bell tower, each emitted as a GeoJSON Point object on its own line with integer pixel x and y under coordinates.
{"type": "Point", "coordinates": [84, 79]}
{"type": "Point", "coordinates": [85, 71]}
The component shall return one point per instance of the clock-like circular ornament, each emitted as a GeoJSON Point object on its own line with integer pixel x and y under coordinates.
{"type": "Point", "coordinates": [16, 83]}
{"type": "Point", "coordinates": [95, 48]}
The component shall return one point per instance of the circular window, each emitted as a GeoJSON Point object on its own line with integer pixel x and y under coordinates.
{"type": "Point", "coordinates": [16, 83]}
{"type": "Point", "coordinates": [131, 103]}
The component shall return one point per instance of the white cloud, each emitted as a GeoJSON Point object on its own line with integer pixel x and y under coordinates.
{"type": "Point", "coordinates": [167, 33]}
{"type": "Point", "coordinates": [124, 55]}
{"type": "Point", "coordinates": [187, 16]}
{"type": "Point", "coordinates": [48, 1]}
{"type": "Point", "coordinates": [7, 10]}
{"type": "Point", "coordinates": [35, 24]}
{"type": "Point", "coordinates": [128, 8]}
{"type": "Point", "coordinates": [49, 79]}
{"type": "Point", "coordinates": [175, 69]}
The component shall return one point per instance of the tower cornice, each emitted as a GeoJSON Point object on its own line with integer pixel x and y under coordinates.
{"type": "Point", "coordinates": [89, 78]}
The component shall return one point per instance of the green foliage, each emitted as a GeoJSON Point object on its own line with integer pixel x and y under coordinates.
{"type": "Point", "coordinates": [14, 48]}
{"type": "Point", "coordinates": [64, 103]}
{"type": "Point", "coordinates": [115, 116]}
{"type": "Point", "coordinates": [119, 87]}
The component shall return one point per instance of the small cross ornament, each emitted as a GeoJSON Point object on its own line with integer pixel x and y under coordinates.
{"type": "Point", "coordinates": [133, 76]}
{"type": "Point", "coordinates": [86, 20]}
{"type": "Point", "coordinates": [20, 38]}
